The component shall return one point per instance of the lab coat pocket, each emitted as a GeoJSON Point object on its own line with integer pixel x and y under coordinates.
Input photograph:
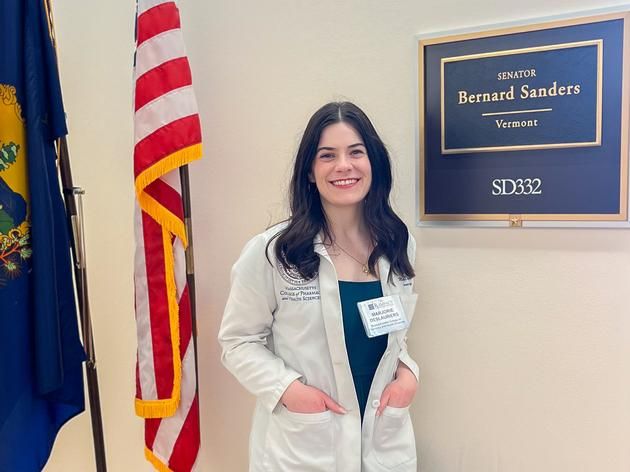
{"type": "Point", "coordinates": [394, 443]}
{"type": "Point", "coordinates": [300, 441]}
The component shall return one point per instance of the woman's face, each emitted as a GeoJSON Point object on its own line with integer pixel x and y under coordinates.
{"type": "Point", "coordinates": [341, 168]}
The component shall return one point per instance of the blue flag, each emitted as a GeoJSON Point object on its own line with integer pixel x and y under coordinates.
{"type": "Point", "coordinates": [41, 377]}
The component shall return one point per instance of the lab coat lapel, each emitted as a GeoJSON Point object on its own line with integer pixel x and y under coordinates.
{"type": "Point", "coordinates": [383, 272]}
{"type": "Point", "coordinates": [333, 324]}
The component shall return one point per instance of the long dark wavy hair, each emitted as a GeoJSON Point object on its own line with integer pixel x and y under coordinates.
{"type": "Point", "coordinates": [294, 245]}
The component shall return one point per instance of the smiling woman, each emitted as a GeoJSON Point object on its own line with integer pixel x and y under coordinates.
{"type": "Point", "coordinates": [329, 397]}
{"type": "Point", "coordinates": [341, 169]}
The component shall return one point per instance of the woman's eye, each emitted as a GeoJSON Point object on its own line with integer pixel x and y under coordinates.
{"type": "Point", "coordinates": [326, 156]}
{"type": "Point", "coordinates": [357, 152]}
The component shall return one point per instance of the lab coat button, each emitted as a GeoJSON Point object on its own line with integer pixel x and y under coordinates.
{"type": "Point", "coordinates": [376, 403]}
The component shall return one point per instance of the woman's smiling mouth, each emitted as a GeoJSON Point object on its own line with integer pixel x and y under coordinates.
{"type": "Point", "coordinates": [344, 182]}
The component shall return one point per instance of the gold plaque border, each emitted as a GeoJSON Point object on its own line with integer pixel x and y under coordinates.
{"type": "Point", "coordinates": [550, 47]}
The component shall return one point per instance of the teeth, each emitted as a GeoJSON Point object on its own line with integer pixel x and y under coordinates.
{"type": "Point", "coordinates": [345, 182]}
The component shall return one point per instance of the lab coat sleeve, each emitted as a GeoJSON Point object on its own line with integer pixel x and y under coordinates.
{"type": "Point", "coordinates": [406, 359]}
{"type": "Point", "coordinates": [404, 356]}
{"type": "Point", "coordinates": [246, 327]}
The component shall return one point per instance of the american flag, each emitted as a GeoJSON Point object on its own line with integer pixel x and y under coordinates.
{"type": "Point", "coordinates": [167, 135]}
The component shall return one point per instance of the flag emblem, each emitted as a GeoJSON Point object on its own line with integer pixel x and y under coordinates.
{"type": "Point", "coordinates": [15, 247]}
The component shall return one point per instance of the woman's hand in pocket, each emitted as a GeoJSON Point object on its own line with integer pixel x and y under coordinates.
{"type": "Point", "coordinates": [400, 392]}
{"type": "Point", "coordinates": [300, 398]}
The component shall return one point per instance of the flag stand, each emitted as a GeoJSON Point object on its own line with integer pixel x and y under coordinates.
{"type": "Point", "coordinates": [72, 196]}
{"type": "Point", "coordinates": [190, 266]}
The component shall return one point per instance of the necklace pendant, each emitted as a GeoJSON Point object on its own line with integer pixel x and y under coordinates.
{"type": "Point", "coordinates": [366, 270]}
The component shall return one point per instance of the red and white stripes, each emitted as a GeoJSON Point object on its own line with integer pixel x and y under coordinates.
{"type": "Point", "coordinates": [167, 135]}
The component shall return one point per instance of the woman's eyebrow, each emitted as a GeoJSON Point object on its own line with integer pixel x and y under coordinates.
{"type": "Point", "coordinates": [328, 148]}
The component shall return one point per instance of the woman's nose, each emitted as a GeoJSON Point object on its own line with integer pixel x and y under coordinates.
{"type": "Point", "coordinates": [343, 163]}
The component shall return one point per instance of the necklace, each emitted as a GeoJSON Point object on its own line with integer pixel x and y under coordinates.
{"type": "Point", "coordinates": [364, 266]}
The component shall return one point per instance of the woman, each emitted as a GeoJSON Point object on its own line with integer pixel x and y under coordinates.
{"type": "Point", "coordinates": [328, 397]}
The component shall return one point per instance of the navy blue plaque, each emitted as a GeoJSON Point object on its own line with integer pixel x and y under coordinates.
{"type": "Point", "coordinates": [527, 123]}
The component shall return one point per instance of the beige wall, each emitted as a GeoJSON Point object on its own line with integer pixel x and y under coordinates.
{"type": "Point", "coordinates": [523, 335]}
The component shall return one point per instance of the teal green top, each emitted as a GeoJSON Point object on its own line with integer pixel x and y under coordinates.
{"type": "Point", "coordinates": [364, 353]}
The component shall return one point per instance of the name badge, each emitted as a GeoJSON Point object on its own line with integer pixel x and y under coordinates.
{"type": "Point", "coordinates": [382, 315]}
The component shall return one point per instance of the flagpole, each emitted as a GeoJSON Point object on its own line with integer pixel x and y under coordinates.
{"type": "Point", "coordinates": [74, 213]}
{"type": "Point", "coordinates": [71, 196]}
{"type": "Point", "coordinates": [190, 266]}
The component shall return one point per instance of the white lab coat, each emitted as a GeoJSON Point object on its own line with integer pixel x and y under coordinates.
{"type": "Point", "coordinates": [278, 327]}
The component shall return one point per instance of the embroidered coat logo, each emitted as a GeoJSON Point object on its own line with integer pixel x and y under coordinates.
{"type": "Point", "coordinates": [291, 275]}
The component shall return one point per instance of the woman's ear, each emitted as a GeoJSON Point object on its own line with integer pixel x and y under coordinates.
{"type": "Point", "coordinates": [311, 179]}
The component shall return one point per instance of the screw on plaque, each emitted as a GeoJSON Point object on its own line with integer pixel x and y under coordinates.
{"type": "Point", "coordinates": [516, 221]}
